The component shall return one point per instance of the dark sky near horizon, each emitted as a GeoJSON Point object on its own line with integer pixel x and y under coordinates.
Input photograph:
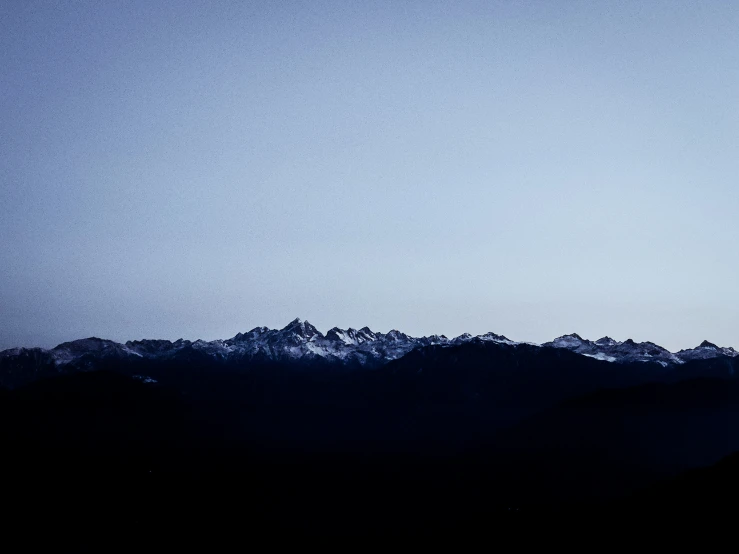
{"type": "Point", "coordinates": [196, 169]}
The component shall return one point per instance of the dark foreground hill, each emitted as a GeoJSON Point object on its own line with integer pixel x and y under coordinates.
{"type": "Point", "coordinates": [102, 453]}
{"type": "Point", "coordinates": [458, 394]}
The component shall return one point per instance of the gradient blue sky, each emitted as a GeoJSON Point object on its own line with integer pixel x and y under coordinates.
{"type": "Point", "coordinates": [196, 169]}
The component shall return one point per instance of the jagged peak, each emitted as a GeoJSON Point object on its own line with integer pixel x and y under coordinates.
{"type": "Point", "coordinates": [256, 332]}
{"type": "Point", "coordinates": [606, 341]}
{"type": "Point", "coordinates": [337, 334]}
{"type": "Point", "coordinates": [295, 323]}
{"type": "Point", "coordinates": [650, 343]}
{"type": "Point", "coordinates": [302, 328]}
{"type": "Point", "coordinates": [495, 336]}
{"type": "Point", "coordinates": [573, 340]}
{"type": "Point", "coordinates": [707, 344]}
{"type": "Point", "coordinates": [149, 342]}
{"type": "Point", "coordinates": [350, 335]}
{"type": "Point", "coordinates": [394, 334]}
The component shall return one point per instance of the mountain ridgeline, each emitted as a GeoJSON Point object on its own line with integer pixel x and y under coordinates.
{"type": "Point", "coordinates": [358, 387]}
{"type": "Point", "coordinates": [352, 417]}
{"type": "Point", "coordinates": [301, 344]}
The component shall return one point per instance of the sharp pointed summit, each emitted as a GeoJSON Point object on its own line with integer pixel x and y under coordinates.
{"type": "Point", "coordinates": [301, 328]}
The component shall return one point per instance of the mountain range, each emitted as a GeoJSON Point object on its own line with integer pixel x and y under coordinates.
{"type": "Point", "coordinates": [318, 430]}
{"type": "Point", "coordinates": [300, 342]}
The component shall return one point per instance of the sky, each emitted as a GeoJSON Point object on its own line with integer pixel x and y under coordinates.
{"type": "Point", "coordinates": [196, 169]}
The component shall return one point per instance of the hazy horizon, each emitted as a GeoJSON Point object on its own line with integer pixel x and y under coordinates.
{"type": "Point", "coordinates": [531, 169]}
{"type": "Point", "coordinates": [324, 331]}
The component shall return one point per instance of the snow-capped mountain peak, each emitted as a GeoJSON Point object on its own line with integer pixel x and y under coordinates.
{"type": "Point", "coordinates": [570, 341]}
{"type": "Point", "coordinates": [464, 337]}
{"type": "Point", "coordinates": [611, 350]}
{"type": "Point", "coordinates": [349, 336]}
{"type": "Point", "coordinates": [492, 337]}
{"type": "Point", "coordinates": [250, 335]}
{"type": "Point", "coordinates": [367, 332]}
{"type": "Point", "coordinates": [302, 329]}
{"type": "Point", "coordinates": [706, 350]}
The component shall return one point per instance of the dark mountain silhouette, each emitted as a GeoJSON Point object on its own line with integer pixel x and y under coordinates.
{"type": "Point", "coordinates": [614, 441]}
{"type": "Point", "coordinates": [300, 344]}
{"type": "Point", "coordinates": [473, 439]}
{"type": "Point", "coordinates": [700, 495]}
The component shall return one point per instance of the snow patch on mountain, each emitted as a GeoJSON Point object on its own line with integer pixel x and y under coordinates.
{"type": "Point", "coordinates": [611, 350]}
{"type": "Point", "coordinates": [707, 350]}
{"type": "Point", "coordinates": [602, 357]}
